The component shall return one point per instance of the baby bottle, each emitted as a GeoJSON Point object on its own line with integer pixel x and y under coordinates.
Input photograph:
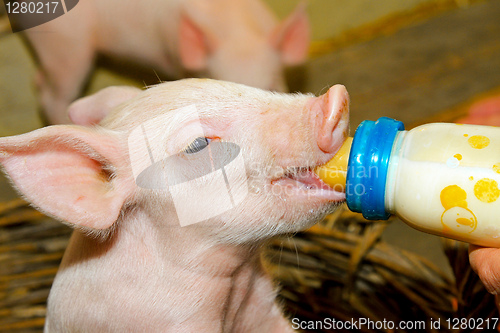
{"type": "Point", "coordinates": [439, 178]}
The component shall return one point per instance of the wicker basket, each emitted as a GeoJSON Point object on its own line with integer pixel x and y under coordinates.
{"type": "Point", "coordinates": [338, 269]}
{"type": "Point", "coordinates": [31, 248]}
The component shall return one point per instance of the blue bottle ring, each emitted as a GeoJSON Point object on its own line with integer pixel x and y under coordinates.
{"type": "Point", "coordinates": [367, 168]}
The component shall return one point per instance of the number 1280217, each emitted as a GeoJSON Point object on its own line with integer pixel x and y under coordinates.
{"type": "Point", "coordinates": [472, 323]}
{"type": "Point", "coordinates": [31, 7]}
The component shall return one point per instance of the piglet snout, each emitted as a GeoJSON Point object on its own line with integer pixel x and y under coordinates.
{"type": "Point", "coordinates": [332, 119]}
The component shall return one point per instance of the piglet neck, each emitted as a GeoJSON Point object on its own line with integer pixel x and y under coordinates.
{"type": "Point", "coordinates": [201, 255]}
{"type": "Point", "coordinates": [230, 276]}
{"type": "Point", "coordinates": [190, 248]}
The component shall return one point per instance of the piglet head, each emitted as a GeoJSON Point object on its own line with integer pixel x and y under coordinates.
{"type": "Point", "coordinates": [220, 160]}
{"type": "Point", "coordinates": [245, 46]}
{"type": "Point", "coordinates": [231, 161]}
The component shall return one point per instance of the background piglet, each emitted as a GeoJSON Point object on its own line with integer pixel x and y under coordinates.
{"type": "Point", "coordinates": [130, 266]}
{"type": "Point", "coordinates": [232, 40]}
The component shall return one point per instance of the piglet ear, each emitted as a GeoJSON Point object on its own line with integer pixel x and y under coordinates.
{"type": "Point", "coordinates": [72, 173]}
{"type": "Point", "coordinates": [292, 37]}
{"type": "Point", "coordinates": [92, 109]}
{"type": "Point", "coordinates": [193, 45]}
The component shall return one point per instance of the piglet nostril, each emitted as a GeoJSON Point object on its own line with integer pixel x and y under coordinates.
{"type": "Point", "coordinates": [335, 114]}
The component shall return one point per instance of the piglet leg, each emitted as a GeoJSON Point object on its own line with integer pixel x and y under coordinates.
{"type": "Point", "coordinates": [65, 52]}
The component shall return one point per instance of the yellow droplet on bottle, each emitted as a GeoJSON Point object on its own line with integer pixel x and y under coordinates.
{"type": "Point", "coordinates": [486, 190]}
{"type": "Point", "coordinates": [334, 173]}
{"type": "Point", "coordinates": [453, 196]}
{"type": "Point", "coordinates": [479, 141]}
{"type": "Point", "coordinates": [496, 168]}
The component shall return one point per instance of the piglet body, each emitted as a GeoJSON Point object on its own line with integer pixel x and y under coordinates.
{"type": "Point", "coordinates": [232, 40]}
{"type": "Point", "coordinates": [130, 265]}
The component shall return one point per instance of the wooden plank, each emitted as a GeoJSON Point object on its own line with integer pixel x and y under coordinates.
{"type": "Point", "coordinates": [21, 216]}
{"type": "Point", "coordinates": [25, 324]}
{"type": "Point", "coordinates": [459, 111]}
{"type": "Point", "coordinates": [420, 70]}
{"type": "Point", "coordinates": [13, 204]}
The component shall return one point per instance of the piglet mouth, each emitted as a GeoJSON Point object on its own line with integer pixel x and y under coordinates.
{"type": "Point", "coordinates": [303, 181]}
{"type": "Point", "coordinates": [307, 180]}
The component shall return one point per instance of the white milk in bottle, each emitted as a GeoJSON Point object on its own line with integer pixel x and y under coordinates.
{"type": "Point", "coordinates": [438, 178]}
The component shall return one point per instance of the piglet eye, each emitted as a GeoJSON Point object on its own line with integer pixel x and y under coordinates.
{"type": "Point", "coordinates": [197, 145]}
